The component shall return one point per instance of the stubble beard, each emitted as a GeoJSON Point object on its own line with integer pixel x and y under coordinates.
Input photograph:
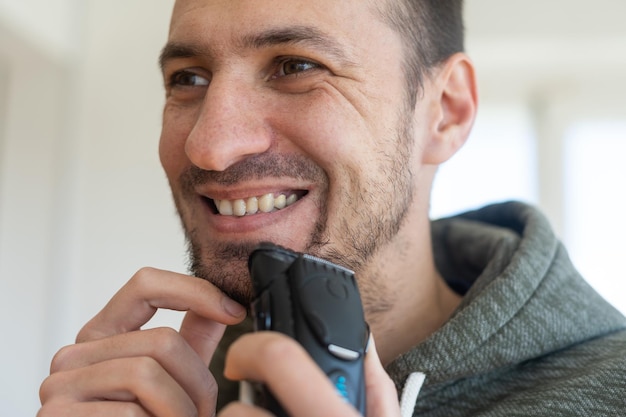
{"type": "Point", "coordinates": [377, 218]}
{"type": "Point", "coordinates": [226, 264]}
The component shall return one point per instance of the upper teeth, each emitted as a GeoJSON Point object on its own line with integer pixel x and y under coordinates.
{"type": "Point", "coordinates": [252, 205]}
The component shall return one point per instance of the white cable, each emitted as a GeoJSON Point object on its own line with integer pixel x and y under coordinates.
{"type": "Point", "coordinates": [411, 390]}
{"type": "Point", "coordinates": [246, 392]}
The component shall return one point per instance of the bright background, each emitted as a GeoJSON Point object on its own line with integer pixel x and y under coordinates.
{"type": "Point", "coordinates": [84, 203]}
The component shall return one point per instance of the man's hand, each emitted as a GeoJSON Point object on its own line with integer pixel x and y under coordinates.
{"type": "Point", "coordinates": [298, 383]}
{"type": "Point", "coordinates": [115, 368]}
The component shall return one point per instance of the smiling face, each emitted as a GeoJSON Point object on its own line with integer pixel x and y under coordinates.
{"type": "Point", "coordinates": [290, 123]}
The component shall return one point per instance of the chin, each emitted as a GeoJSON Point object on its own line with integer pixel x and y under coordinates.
{"type": "Point", "coordinates": [226, 267]}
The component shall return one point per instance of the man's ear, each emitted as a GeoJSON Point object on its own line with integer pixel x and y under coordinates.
{"type": "Point", "coordinates": [454, 105]}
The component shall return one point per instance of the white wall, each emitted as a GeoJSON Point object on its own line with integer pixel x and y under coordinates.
{"type": "Point", "coordinates": [51, 25]}
{"type": "Point", "coordinates": [31, 134]}
{"type": "Point", "coordinates": [126, 219]}
{"type": "Point", "coordinates": [83, 201]}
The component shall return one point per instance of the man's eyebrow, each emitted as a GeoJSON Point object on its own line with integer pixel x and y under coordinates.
{"type": "Point", "coordinates": [297, 35]}
{"type": "Point", "coordinates": [175, 50]}
{"type": "Point", "coordinates": [293, 35]}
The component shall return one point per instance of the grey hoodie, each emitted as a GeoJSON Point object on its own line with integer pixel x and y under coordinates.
{"type": "Point", "coordinates": [530, 338]}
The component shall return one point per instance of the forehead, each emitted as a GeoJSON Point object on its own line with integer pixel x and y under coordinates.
{"type": "Point", "coordinates": [201, 19]}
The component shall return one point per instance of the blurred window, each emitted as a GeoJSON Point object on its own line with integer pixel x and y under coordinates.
{"type": "Point", "coordinates": [499, 162]}
{"type": "Point", "coordinates": [595, 205]}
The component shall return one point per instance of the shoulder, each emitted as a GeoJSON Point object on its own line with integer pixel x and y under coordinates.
{"type": "Point", "coordinates": [586, 379]}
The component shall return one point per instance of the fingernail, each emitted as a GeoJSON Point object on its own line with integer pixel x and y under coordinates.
{"type": "Point", "coordinates": [233, 308]}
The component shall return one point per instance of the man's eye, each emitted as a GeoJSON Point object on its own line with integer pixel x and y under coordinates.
{"type": "Point", "coordinates": [295, 66]}
{"type": "Point", "coordinates": [188, 79]}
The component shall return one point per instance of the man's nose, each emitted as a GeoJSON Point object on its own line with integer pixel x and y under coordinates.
{"type": "Point", "coordinates": [230, 127]}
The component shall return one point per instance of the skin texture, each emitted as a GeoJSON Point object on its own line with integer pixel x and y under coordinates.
{"type": "Point", "coordinates": [274, 97]}
{"type": "Point", "coordinates": [337, 129]}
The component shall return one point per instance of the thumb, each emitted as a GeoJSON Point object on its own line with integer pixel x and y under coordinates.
{"type": "Point", "coordinates": [382, 397]}
{"type": "Point", "coordinates": [202, 334]}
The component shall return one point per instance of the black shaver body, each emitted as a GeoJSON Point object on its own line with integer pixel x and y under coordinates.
{"type": "Point", "coordinates": [318, 304]}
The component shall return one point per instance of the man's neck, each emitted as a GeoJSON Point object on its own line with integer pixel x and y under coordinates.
{"type": "Point", "coordinates": [420, 300]}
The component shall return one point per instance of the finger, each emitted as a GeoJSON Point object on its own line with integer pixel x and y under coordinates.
{"type": "Point", "coordinates": [380, 391]}
{"type": "Point", "coordinates": [166, 346]}
{"type": "Point", "coordinates": [202, 334]}
{"type": "Point", "coordinates": [150, 289]}
{"type": "Point", "coordinates": [140, 380]}
{"type": "Point", "coordinates": [289, 372]}
{"type": "Point", "coordinates": [93, 409]}
{"type": "Point", "coordinates": [238, 410]}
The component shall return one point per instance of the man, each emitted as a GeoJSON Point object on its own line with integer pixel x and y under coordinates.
{"type": "Point", "coordinates": [320, 126]}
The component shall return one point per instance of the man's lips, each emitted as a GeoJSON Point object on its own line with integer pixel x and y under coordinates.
{"type": "Point", "coordinates": [249, 206]}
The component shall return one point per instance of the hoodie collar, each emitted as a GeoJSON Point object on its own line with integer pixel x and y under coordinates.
{"type": "Point", "coordinates": [522, 298]}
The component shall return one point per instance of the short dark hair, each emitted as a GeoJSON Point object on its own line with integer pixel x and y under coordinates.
{"type": "Point", "coordinates": [432, 30]}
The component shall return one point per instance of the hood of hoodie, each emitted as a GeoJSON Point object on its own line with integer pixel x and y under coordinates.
{"type": "Point", "coordinates": [522, 297]}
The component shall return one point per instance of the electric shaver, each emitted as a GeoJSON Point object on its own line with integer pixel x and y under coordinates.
{"type": "Point", "coordinates": [318, 304]}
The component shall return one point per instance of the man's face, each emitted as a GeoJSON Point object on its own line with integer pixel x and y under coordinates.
{"type": "Point", "coordinates": [286, 122]}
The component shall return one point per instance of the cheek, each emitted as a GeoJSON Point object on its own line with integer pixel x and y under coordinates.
{"type": "Point", "coordinates": [345, 143]}
{"type": "Point", "coordinates": [174, 132]}
{"type": "Point", "coordinates": [325, 128]}
{"type": "Point", "coordinates": [356, 146]}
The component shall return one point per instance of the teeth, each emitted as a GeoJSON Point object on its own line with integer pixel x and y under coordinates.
{"type": "Point", "coordinates": [292, 199]}
{"type": "Point", "coordinates": [280, 202]}
{"type": "Point", "coordinates": [253, 205]}
{"type": "Point", "coordinates": [266, 203]}
{"type": "Point", "coordinates": [239, 208]}
{"type": "Point", "coordinates": [225, 208]}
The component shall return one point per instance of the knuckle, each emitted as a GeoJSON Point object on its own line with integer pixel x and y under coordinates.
{"type": "Point", "coordinates": [144, 276]}
{"type": "Point", "coordinates": [167, 341]}
{"type": "Point", "coordinates": [44, 393]}
{"type": "Point", "coordinates": [88, 334]}
{"type": "Point", "coordinates": [48, 389]}
{"type": "Point", "coordinates": [145, 368]}
{"type": "Point", "coordinates": [63, 359]}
